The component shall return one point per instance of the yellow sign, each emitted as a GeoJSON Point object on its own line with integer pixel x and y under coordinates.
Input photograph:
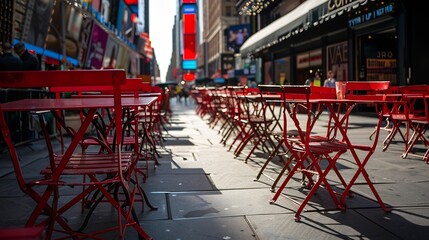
{"type": "Point", "coordinates": [145, 78]}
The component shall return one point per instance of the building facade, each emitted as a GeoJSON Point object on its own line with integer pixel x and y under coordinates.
{"type": "Point", "coordinates": [363, 40]}
{"type": "Point", "coordinates": [83, 34]}
{"type": "Point", "coordinates": [218, 16]}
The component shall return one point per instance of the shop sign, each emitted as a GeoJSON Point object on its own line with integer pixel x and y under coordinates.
{"type": "Point", "coordinates": [371, 15]}
{"type": "Point", "coordinates": [189, 64]}
{"type": "Point", "coordinates": [337, 60]}
{"type": "Point", "coordinates": [252, 69]}
{"type": "Point", "coordinates": [338, 4]}
{"type": "Point", "coordinates": [309, 59]}
{"type": "Point", "coordinates": [227, 62]}
{"type": "Point", "coordinates": [97, 47]}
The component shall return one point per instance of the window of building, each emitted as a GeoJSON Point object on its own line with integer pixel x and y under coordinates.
{"type": "Point", "coordinates": [228, 11]}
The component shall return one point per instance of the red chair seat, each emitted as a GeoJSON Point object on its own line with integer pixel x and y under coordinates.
{"type": "Point", "coordinates": [92, 164]}
{"type": "Point", "coordinates": [28, 233]}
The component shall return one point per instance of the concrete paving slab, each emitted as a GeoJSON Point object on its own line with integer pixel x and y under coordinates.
{"type": "Point", "coordinates": [179, 182]}
{"type": "Point", "coordinates": [404, 222]}
{"type": "Point", "coordinates": [400, 194]}
{"type": "Point", "coordinates": [224, 203]}
{"type": "Point", "coordinates": [320, 225]}
{"type": "Point", "coordinates": [203, 191]}
{"type": "Point", "coordinates": [201, 228]}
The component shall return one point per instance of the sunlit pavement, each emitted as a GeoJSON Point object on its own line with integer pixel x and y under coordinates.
{"type": "Point", "coordinates": [202, 191]}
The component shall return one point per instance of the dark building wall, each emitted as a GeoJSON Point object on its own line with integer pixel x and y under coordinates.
{"type": "Point", "coordinates": [416, 17]}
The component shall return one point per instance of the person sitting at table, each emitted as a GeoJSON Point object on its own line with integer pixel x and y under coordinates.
{"type": "Point", "coordinates": [330, 81]}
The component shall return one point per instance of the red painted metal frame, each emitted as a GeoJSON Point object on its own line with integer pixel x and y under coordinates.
{"type": "Point", "coordinates": [308, 150]}
{"type": "Point", "coordinates": [60, 166]}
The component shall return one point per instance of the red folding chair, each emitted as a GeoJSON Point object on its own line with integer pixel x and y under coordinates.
{"type": "Point", "coordinates": [369, 93]}
{"type": "Point", "coordinates": [272, 107]}
{"type": "Point", "coordinates": [401, 114]}
{"type": "Point", "coordinates": [392, 93]}
{"type": "Point", "coordinates": [233, 125]}
{"type": "Point", "coordinates": [307, 150]}
{"type": "Point", "coordinates": [364, 90]}
{"type": "Point", "coordinates": [133, 138]}
{"type": "Point", "coordinates": [237, 116]}
{"type": "Point", "coordinates": [419, 123]}
{"type": "Point", "coordinates": [203, 100]}
{"type": "Point", "coordinates": [29, 233]}
{"type": "Point", "coordinates": [256, 124]}
{"type": "Point", "coordinates": [360, 89]}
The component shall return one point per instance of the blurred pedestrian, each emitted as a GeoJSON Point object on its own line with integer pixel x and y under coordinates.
{"type": "Point", "coordinates": [18, 121]}
{"type": "Point", "coordinates": [179, 93]}
{"type": "Point", "coordinates": [185, 93]}
{"type": "Point", "coordinates": [330, 80]}
{"type": "Point", "coordinates": [315, 81]}
{"type": "Point", "coordinates": [30, 62]}
{"type": "Point", "coordinates": [8, 60]}
{"type": "Point", "coordinates": [253, 84]}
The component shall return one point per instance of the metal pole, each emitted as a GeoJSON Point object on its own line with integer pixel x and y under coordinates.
{"type": "Point", "coordinates": [63, 35]}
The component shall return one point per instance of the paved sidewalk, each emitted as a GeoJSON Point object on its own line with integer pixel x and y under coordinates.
{"type": "Point", "coordinates": [203, 192]}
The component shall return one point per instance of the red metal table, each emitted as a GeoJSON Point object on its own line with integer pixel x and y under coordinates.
{"type": "Point", "coordinates": [60, 168]}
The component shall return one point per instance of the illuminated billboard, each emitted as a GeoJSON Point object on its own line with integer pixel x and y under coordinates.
{"type": "Point", "coordinates": [189, 64]}
{"type": "Point", "coordinates": [236, 35]}
{"type": "Point", "coordinates": [97, 48]}
{"type": "Point", "coordinates": [189, 37]}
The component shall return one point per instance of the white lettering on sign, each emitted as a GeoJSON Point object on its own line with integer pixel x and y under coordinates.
{"type": "Point", "coordinates": [355, 21]}
{"type": "Point", "coordinates": [337, 54]}
{"type": "Point", "coordinates": [335, 4]}
{"type": "Point", "coordinates": [385, 54]}
{"type": "Point", "coordinates": [365, 17]}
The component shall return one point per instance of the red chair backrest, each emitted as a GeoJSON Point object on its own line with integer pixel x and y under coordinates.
{"type": "Point", "coordinates": [249, 90]}
{"type": "Point", "coordinates": [292, 92]}
{"type": "Point", "coordinates": [322, 92]}
{"type": "Point", "coordinates": [71, 79]}
{"type": "Point", "coordinates": [365, 89]}
{"type": "Point", "coordinates": [414, 88]}
{"type": "Point", "coordinates": [130, 85]}
{"type": "Point", "coordinates": [58, 78]}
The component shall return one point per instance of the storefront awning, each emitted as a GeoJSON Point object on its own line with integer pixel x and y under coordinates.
{"type": "Point", "coordinates": [308, 14]}
{"type": "Point", "coordinates": [297, 20]}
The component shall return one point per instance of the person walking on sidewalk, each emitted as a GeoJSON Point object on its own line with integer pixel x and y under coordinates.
{"type": "Point", "coordinates": [8, 60]}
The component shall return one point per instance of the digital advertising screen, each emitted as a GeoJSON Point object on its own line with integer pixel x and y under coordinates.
{"type": "Point", "coordinates": [97, 47]}
{"type": "Point", "coordinates": [111, 53]}
{"type": "Point", "coordinates": [236, 35]}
